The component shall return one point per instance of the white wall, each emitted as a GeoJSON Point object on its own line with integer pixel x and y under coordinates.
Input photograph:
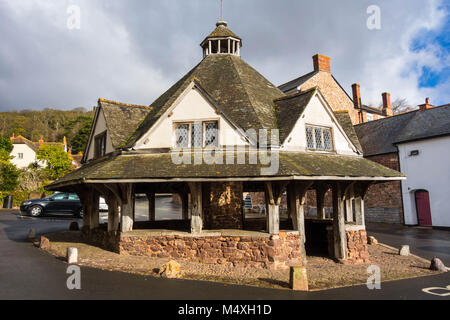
{"type": "Point", "coordinates": [29, 156]}
{"type": "Point", "coordinates": [316, 114]}
{"type": "Point", "coordinates": [192, 107]}
{"type": "Point", "coordinates": [100, 126]}
{"type": "Point", "coordinates": [430, 171]}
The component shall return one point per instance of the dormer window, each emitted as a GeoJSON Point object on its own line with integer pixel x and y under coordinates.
{"type": "Point", "coordinates": [100, 145]}
{"type": "Point", "coordinates": [319, 138]}
{"type": "Point", "coordinates": [201, 134]}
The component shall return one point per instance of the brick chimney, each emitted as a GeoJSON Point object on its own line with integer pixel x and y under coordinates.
{"type": "Point", "coordinates": [427, 105]}
{"type": "Point", "coordinates": [321, 63]}
{"type": "Point", "coordinates": [387, 109]}
{"type": "Point", "coordinates": [356, 88]}
{"type": "Point", "coordinates": [41, 141]}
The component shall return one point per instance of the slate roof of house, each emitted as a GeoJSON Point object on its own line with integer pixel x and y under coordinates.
{"type": "Point", "coordinates": [381, 136]}
{"type": "Point", "coordinates": [289, 109]}
{"type": "Point", "coordinates": [22, 140]}
{"type": "Point", "coordinates": [156, 167]}
{"type": "Point", "coordinates": [122, 119]}
{"type": "Point", "coordinates": [222, 31]}
{"type": "Point", "coordinates": [242, 93]}
{"type": "Point", "coordinates": [293, 84]}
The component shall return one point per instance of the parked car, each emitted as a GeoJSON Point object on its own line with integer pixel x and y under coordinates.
{"type": "Point", "coordinates": [102, 206]}
{"type": "Point", "coordinates": [61, 203]}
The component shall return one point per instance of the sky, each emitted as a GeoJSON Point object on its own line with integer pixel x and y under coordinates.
{"type": "Point", "coordinates": [132, 51]}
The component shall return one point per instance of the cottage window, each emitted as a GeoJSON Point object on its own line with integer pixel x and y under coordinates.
{"type": "Point", "coordinates": [20, 156]}
{"type": "Point", "coordinates": [100, 145]}
{"type": "Point", "coordinates": [197, 134]}
{"type": "Point", "coordinates": [319, 138]}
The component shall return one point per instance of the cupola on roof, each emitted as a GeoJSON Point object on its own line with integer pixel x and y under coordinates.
{"type": "Point", "coordinates": [221, 41]}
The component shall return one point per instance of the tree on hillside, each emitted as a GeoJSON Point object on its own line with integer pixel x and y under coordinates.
{"type": "Point", "coordinates": [9, 174]}
{"type": "Point", "coordinates": [79, 141]}
{"type": "Point", "coordinates": [58, 162]}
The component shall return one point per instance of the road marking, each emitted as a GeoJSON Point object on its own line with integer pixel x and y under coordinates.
{"type": "Point", "coordinates": [430, 291]}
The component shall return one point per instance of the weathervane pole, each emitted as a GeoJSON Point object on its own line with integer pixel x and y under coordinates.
{"type": "Point", "coordinates": [221, 10]}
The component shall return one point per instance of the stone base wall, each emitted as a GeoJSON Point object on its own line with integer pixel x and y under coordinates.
{"type": "Point", "coordinates": [272, 252]}
{"type": "Point", "coordinates": [357, 248]}
{"type": "Point", "coordinates": [384, 215]}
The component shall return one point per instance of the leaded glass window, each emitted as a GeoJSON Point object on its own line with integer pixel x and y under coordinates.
{"type": "Point", "coordinates": [197, 135]}
{"type": "Point", "coordinates": [310, 138]}
{"type": "Point", "coordinates": [182, 136]}
{"type": "Point", "coordinates": [211, 134]}
{"type": "Point", "coordinates": [319, 138]}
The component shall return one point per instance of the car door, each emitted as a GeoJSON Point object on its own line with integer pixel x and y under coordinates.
{"type": "Point", "coordinates": [56, 203]}
{"type": "Point", "coordinates": [72, 204]}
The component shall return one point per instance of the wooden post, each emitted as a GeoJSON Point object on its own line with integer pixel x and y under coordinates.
{"type": "Point", "coordinates": [184, 196]}
{"type": "Point", "coordinates": [94, 214]}
{"type": "Point", "coordinates": [339, 235]}
{"type": "Point", "coordinates": [127, 208]}
{"type": "Point", "coordinates": [273, 193]}
{"type": "Point", "coordinates": [151, 206]}
{"type": "Point", "coordinates": [197, 207]}
{"type": "Point", "coordinates": [349, 196]}
{"type": "Point", "coordinates": [296, 192]}
{"type": "Point", "coordinates": [113, 213]}
{"type": "Point", "coordinates": [321, 191]}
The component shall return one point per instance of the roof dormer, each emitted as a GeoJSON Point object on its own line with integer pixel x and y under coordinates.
{"type": "Point", "coordinates": [222, 41]}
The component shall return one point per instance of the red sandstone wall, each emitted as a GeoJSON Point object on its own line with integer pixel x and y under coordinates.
{"type": "Point", "coordinates": [240, 251]}
{"type": "Point", "coordinates": [357, 248]}
{"type": "Point", "coordinates": [384, 200]}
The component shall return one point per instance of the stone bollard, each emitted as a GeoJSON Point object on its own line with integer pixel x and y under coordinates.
{"type": "Point", "coordinates": [437, 265]}
{"type": "Point", "coordinates": [170, 270]}
{"type": "Point", "coordinates": [372, 241]}
{"type": "Point", "coordinates": [74, 226]}
{"type": "Point", "coordinates": [298, 279]}
{"type": "Point", "coordinates": [404, 251]}
{"type": "Point", "coordinates": [72, 255]}
{"type": "Point", "coordinates": [31, 234]}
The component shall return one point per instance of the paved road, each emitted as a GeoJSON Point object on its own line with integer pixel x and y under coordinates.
{"type": "Point", "coordinates": [29, 273]}
{"type": "Point", "coordinates": [424, 242]}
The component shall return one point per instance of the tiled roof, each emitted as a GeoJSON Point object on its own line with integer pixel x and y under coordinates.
{"type": "Point", "coordinates": [346, 123]}
{"type": "Point", "coordinates": [289, 109]}
{"type": "Point", "coordinates": [135, 166]}
{"type": "Point", "coordinates": [380, 136]}
{"type": "Point", "coordinates": [293, 84]}
{"type": "Point", "coordinates": [122, 119]}
{"type": "Point", "coordinates": [22, 140]}
{"type": "Point", "coordinates": [243, 94]}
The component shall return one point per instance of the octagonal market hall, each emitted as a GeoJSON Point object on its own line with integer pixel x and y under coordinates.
{"type": "Point", "coordinates": [221, 133]}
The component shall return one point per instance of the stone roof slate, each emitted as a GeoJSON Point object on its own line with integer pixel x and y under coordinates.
{"type": "Point", "coordinates": [381, 136]}
{"type": "Point", "coordinates": [243, 94]}
{"type": "Point", "coordinates": [135, 166]}
{"type": "Point", "coordinates": [122, 119]}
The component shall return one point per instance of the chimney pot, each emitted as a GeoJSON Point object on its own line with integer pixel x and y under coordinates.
{"type": "Point", "coordinates": [321, 63]}
{"type": "Point", "coordinates": [427, 105]}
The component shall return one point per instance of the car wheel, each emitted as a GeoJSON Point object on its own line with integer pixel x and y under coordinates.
{"type": "Point", "coordinates": [79, 214]}
{"type": "Point", "coordinates": [36, 211]}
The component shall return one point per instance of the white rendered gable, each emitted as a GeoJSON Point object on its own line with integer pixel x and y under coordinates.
{"type": "Point", "coordinates": [28, 155]}
{"type": "Point", "coordinates": [99, 127]}
{"type": "Point", "coordinates": [318, 113]}
{"type": "Point", "coordinates": [192, 106]}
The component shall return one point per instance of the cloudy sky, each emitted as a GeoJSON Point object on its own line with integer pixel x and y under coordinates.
{"type": "Point", "coordinates": [133, 50]}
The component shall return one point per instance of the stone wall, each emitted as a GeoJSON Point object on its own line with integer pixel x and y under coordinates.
{"type": "Point", "coordinates": [357, 248]}
{"type": "Point", "coordinates": [255, 250]}
{"type": "Point", "coordinates": [383, 201]}
{"type": "Point", "coordinates": [263, 252]}
{"type": "Point", "coordinates": [222, 207]}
